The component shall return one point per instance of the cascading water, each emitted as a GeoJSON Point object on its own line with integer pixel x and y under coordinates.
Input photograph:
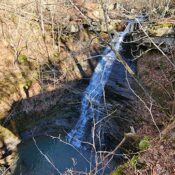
{"type": "Point", "coordinates": [94, 92]}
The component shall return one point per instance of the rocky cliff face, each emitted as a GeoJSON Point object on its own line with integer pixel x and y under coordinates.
{"type": "Point", "coordinates": [44, 61]}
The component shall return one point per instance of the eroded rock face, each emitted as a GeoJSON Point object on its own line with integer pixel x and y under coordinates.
{"type": "Point", "coordinates": [19, 75]}
{"type": "Point", "coordinates": [8, 148]}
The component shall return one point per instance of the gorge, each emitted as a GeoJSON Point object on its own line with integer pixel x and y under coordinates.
{"type": "Point", "coordinates": [91, 111]}
{"type": "Point", "coordinates": [68, 102]}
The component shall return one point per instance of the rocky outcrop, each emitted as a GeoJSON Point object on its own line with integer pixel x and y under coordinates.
{"type": "Point", "coordinates": [8, 148]}
{"type": "Point", "coordinates": [153, 36]}
{"type": "Point", "coordinates": [162, 29]}
{"type": "Point", "coordinates": [20, 70]}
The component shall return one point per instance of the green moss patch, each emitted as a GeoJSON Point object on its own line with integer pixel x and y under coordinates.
{"type": "Point", "coordinates": [22, 58]}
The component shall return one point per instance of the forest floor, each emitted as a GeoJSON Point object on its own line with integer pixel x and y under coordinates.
{"type": "Point", "coordinates": [154, 121]}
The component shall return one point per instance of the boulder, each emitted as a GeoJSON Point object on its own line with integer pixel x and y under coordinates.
{"type": "Point", "coordinates": [72, 28]}
{"type": "Point", "coordinates": [8, 139]}
{"type": "Point", "coordinates": [8, 148]}
{"type": "Point", "coordinates": [161, 29]}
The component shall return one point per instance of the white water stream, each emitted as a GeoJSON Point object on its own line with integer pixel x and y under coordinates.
{"type": "Point", "coordinates": [94, 92]}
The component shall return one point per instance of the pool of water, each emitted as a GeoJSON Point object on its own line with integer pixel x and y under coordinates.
{"type": "Point", "coordinates": [60, 157]}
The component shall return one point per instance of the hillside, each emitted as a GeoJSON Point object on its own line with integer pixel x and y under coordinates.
{"type": "Point", "coordinates": [111, 62]}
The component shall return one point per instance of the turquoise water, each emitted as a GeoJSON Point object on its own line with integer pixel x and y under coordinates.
{"type": "Point", "coordinates": [62, 156]}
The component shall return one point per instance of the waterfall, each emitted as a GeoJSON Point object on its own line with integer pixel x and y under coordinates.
{"type": "Point", "coordinates": [94, 92]}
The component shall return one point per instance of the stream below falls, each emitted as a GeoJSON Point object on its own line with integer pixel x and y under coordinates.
{"type": "Point", "coordinates": [61, 157]}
